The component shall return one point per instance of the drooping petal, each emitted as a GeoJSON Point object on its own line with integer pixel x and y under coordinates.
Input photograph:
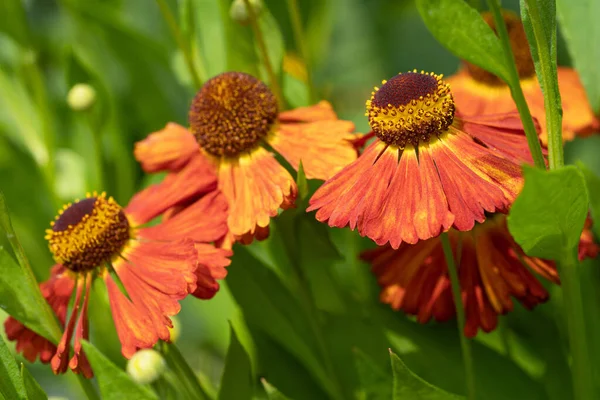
{"type": "Point", "coordinates": [322, 111]}
{"type": "Point", "coordinates": [203, 221]}
{"type": "Point", "coordinates": [211, 266]}
{"type": "Point", "coordinates": [79, 362]}
{"type": "Point", "coordinates": [323, 147]}
{"type": "Point", "coordinates": [60, 361]}
{"type": "Point", "coordinates": [255, 186]}
{"type": "Point", "coordinates": [198, 177]}
{"type": "Point", "coordinates": [166, 150]}
{"type": "Point", "coordinates": [155, 275]}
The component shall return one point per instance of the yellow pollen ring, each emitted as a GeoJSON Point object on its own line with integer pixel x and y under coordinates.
{"type": "Point", "coordinates": [410, 107]}
{"type": "Point", "coordinates": [87, 234]}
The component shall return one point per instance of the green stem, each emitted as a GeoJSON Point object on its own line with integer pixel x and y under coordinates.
{"type": "Point", "coordinates": [547, 76]}
{"type": "Point", "coordinates": [181, 42]}
{"type": "Point", "coordinates": [515, 87]}
{"type": "Point", "coordinates": [97, 138]}
{"type": "Point", "coordinates": [260, 41]}
{"type": "Point", "coordinates": [465, 344]}
{"type": "Point", "coordinates": [301, 43]}
{"type": "Point", "coordinates": [183, 371]}
{"type": "Point", "coordinates": [87, 387]}
{"type": "Point", "coordinates": [581, 371]}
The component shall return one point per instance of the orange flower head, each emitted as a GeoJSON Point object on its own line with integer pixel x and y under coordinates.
{"type": "Point", "coordinates": [96, 238]}
{"type": "Point", "coordinates": [88, 233]}
{"type": "Point", "coordinates": [234, 120]}
{"type": "Point", "coordinates": [231, 113]}
{"type": "Point", "coordinates": [429, 169]}
{"type": "Point", "coordinates": [477, 91]}
{"type": "Point", "coordinates": [493, 272]}
{"type": "Point", "coordinates": [409, 108]}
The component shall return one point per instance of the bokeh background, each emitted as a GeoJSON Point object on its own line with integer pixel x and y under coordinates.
{"type": "Point", "coordinates": [125, 51]}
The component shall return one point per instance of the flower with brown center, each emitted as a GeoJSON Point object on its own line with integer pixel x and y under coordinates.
{"type": "Point", "coordinates": [493, 269]}
{"type": "Point", "coordinates": [477, 91]}
{"type": "Point", "coordinates": [234, 121]}
{"type": "Point", "coordinates": [96, 238]}
{"type": "Point", "coordinates": [428, 169]}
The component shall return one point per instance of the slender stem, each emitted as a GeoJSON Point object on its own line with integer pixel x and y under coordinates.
{"type": "Point", "coordinates": [581, 371]}
{"type": "Point", "coordinates": [87, 387]}
{"type": "Point", "coordinates": [515, 87]}
{"type": "Point", "coordinates": [260, 41]}
{"type": "Point", "coordinates": [97, 138]}
{"type": "Point", "coordinates": [465, 344]}
{"type": "Point", "coordinates": [547, 76]}
{"type": "Point", "coordinates": [295, 16]}
{"type": "Point", "coordinates": [183, 371]}
{"type": "Point", "coordinates": [181, 42]}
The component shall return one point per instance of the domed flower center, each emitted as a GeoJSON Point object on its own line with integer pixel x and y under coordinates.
{"type": "Point", "coordinates": [410, 107]}
{"type": "Point", "coordinates": [520, 49]}
{"type": "Point", "coordinates": [231, 113]}
{"type": "Point", "coordinates": [88, 233]}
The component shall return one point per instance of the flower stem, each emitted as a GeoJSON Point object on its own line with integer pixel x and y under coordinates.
{"type": "Point", "coordinates": [548, 80]}
{"type": "Point", "coordinates": [515, 87]}
{"type": "Point", "coordinates": [581, 370]}
{"type": "Point", "coordinates": [260, 41]}
{"type": "Point", "coordinates": [460, 315]}
{"type": "Point", "coordinates": [181, 42]}
{"type": "Point", "coordinates": [301, 43]}
{"type": "Point", "coordinates": [183, 371]}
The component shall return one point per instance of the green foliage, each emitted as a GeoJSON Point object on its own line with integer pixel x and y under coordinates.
{"type": "Point", "coordinates": [582, 34]}
{"type": "Point", "coordinates": [461, 29]}
{"type": "Point", "coordinates": [593, 188]}
{"type": "Point", "coordinates": [408, 385]}
{"type": "Point", "coordinates": [11, 384]}
{"type": "Point", "coordinates": [113, 382]}
{"type": "Point", "coordinates": [34, 391]}
{"type": "Point", "coordinates": [237, 381]}
{"type": "Point", "coordinates": [548, 216]}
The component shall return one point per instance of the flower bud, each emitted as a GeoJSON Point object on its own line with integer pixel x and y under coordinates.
{"type": "Point", "coordinates": [175, 330]}
{"type": "Point", "coordinates": [239, 13]}
{"type": "Point", "coordinates": [146, 366]}
{"type": "Point", "coordinates": [81, 97]}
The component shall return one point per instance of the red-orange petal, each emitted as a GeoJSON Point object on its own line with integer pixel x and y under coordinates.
{"type": "Point", "coordinates": [322, 111]}
{"type": "Point", "coordinates": [323, 147]}
{"type": "Point", "coordinates": [255, 186]}
{"type": "Point", "coordinates": [203, 221]}
{"type": "Point", "coordinates": [198, 177]}
{"type": "Point", "coordinates": [156, 275]}
{"type": "Point", "coordinates": [166, 150]}
{"type": "Point", "coordinates": [211, 266]}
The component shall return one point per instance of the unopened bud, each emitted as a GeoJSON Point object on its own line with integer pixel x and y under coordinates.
{"type": "Point", "coordinates": [81, 97]}
{"type": "Point", "coordinates": [239, 13]}
{"type": "Point", "coordinates": [146, 366]}
{"type": "Point", "coordinates": [175, 330]}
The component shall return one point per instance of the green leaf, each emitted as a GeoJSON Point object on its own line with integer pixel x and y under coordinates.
{"type": "Point", "coordinates": [461, 29]}
{"type": "Point", "coordinates": [547, 218]}
{"type": "Point", "coordinates": [593, 189]}
{"type": "Point", "coordinates": [272, 392]}
{"type": "Point", "coordinates": [113, 382]}
{"type": "Point", "coordinates": [21, 296]}
{"type": "Point", "coordinates": [33, 388]}
{"type": "Point", "coordinates": [237, 380]}
{"type": "Point", "coordinates": [302, 184]}
{"type": "Point", "coordinates": [407, 385]}
{"type": "Point", "coordinates": [11, 383]}
{"type": "Point", "coordinates": [578, 22]}
{"type": "Point", "coordinates": [177, 363]}
{"type": "Point", "coordinates": [375, 383]}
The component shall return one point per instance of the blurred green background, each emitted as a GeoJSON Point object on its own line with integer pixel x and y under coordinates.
{"type": "Point", "coordinates": [125, 51]}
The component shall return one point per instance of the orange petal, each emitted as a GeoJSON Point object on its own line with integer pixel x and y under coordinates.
{"type": "Point", "coordinates": [322, 111]}
{"type": "Point", "coordinates": [195, 179]}
{"type": "Point", "coordinates": [323, 147]}
{"type": "Point", "coordinates": [166, 150]}
{"type": "Point", "coordinates": [79, 362]}
{"type": "Point", "coordinates": [578, 116]}
{"type": "Point", "coordinates": [60, 361]}
{"type": "Point", "coordinates": [203, 221]}
{"type": "Point", "coordinates": [255, 186]}
{"type": "Point", "coordinates": [211, 266]}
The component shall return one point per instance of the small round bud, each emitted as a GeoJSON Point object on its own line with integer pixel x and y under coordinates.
{"type": "Point", "coordinates": [146, 366]}
{"type": "Point", "coordinates": [239, 13]}
{"type": "Point", "coordinates": [81, 97]}
{"type": "Point", "coordinates": [175, 330]}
